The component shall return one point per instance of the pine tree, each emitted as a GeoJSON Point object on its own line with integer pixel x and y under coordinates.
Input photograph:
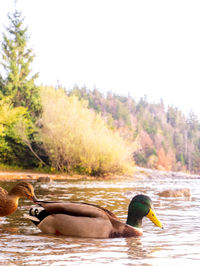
{"type": "Point", "coordinates": [19, 97]}
{"type": "Point", "coordinates": [18, 83]}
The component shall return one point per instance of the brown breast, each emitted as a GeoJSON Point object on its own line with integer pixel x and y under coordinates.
{"type": "Point", "coordinates": [7, 207]}
{"type": "Point", "coordinates": [126, 231]}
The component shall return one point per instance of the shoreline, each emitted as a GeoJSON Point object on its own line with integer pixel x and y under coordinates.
{"type": "Point", "coordinates": [29, 175]}
{"type": "Point", "coordinates": [139, 172]}
{"type": "Point", "coordinates": [154, 173]}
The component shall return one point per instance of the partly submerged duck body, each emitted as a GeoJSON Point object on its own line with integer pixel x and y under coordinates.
{"type": "Point", "coordinates": [89, 220]}
{"type": "Point", "coordinates": [81, 220]}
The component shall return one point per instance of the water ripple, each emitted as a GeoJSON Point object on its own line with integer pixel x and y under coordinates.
{"type": "Point", "coordinates": [177, 244]}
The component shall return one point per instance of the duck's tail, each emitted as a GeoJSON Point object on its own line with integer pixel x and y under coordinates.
{"type": "Point", "coordinates": [34, 219]}
{"type": "Point", "coordinates": [36, 216]}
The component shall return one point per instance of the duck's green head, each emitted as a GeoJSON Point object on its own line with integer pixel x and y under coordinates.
{"type": "Point", "coordinates": [140, 206]}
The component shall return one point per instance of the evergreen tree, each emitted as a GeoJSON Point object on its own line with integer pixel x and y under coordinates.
{"type": "Point", "coordinates": [18, 83]}
{"type": "Point", "coordinates": [19, 97]}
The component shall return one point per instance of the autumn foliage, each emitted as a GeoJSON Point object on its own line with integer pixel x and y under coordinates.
{"type": "Point", "coordinates": [77, 139]}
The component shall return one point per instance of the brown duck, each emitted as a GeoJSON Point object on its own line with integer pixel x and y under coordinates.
{"type": "Point", "coordinates": [9, 200]}
{"type": "Point", "coordinates": [88, 220]}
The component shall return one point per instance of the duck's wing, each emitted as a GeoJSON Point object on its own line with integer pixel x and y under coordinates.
{"type": "Point", "coordinates": [3, 201]}
{"type": "Point", "coordinates": [3, 191]}
{"type": "Point", "coordinates": [76, 209]}
{"type": "Point", "coordinates": [101, 208]}
{"type": "Point", "coordinates": [3, 195]}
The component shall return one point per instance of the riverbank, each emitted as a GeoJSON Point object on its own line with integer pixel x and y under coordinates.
{"type": "Point", "coordinates": [139, 172]}
{"type": "Point", "coordinates": [153, 174]}
{"type": "Point", "coordinates": [28, 175]}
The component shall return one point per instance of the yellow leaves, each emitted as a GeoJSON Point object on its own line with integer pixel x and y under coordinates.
{"type": "Point", "coordinates": [9, 115]}
{"type": "Point", "coordinates": [1, 129]}
{"type": "Point", "coordinates": [78, 137]}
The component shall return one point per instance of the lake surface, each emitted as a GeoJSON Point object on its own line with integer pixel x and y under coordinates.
{"type": "Point", "coordinates": [21, 243]}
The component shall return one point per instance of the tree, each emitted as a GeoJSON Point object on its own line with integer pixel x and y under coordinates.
{"type": "Point", "coordinates": [18, 83]}
{"type": "Point", "coordinates": [19, 96]}
{"type": "Point", "coordinates": [77, 139]}
{"type": "Point", "coordinates": [9, 117]}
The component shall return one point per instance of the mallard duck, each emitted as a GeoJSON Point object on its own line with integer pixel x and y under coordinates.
{"type": "Point", "coordinates": [90, 220]}
{"type": "Point", "coordinates": [9, 200]}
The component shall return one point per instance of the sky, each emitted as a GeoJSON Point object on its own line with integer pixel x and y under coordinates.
{"type": "Point", "coordinates": [130, 47]}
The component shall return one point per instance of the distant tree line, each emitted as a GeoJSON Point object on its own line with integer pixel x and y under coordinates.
{"type": "Point", "coordinates": [164, 138]}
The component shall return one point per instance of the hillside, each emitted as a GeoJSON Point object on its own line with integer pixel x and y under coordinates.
{"type": "Point", "coordinates": [164, 137]}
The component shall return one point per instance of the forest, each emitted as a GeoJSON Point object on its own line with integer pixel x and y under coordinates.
{"type": "Point", "coordinates": [164, 138]}
{"type": "Point", "coordinates": [82, 130]}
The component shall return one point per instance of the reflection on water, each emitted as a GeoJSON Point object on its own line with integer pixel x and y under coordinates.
{"type": "Point", "coordinates": [179, 243]}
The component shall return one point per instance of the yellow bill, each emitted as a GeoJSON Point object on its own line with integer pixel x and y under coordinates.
{"type": "Point", "coordinates": [152, 216]}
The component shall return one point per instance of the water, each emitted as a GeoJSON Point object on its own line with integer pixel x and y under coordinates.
{"type": "Point", "coordinates": [178, 243]}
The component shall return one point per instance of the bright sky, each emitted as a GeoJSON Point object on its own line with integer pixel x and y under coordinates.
{"type": "Point", "coordinates": [139, 47]}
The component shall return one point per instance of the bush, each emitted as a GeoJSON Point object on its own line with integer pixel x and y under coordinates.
{"type": "Point", "coordinates": [76, 138]}
{"type": "Point", "coordinates": [13, 150]}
